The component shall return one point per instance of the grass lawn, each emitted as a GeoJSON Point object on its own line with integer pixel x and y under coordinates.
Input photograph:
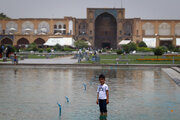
{"type": "Point", "coordinates": [131, 59]}
{"type": "Point", "coordinates": [7, 60]}
{"type": "Point", "coordinates": [32, 56]}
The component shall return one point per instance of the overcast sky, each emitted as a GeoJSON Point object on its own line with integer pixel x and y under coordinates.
{"type": "Point", "coordinates": [145, 9]}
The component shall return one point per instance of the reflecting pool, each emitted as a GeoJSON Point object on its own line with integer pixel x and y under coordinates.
{"type": "Point", "coordinates": [136, 93]}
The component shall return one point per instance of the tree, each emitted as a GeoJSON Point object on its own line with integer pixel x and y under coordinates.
{"type": "Point", "coordinates": [177, 49]}
{"type": "Point", "coordinates": [165, 49]}
{"type": "Point", "coordinates": [81, 44]}
{"type": "Point", "coordinates": [3, 16]}
{"type": "Point", "coordinates": [126, 48]}
{"type": "Point", "coordinates": [132, 46]}
{"type": "Point", "coordinates": [119, 52]}
{"type": "Point", "coordinates": [48, 50]}
{"type": "Point", "coordinates": [158, 51]}
{"type": "Point", "coordinates": [32, 47]}
{"type": "Point", "coordinates": [58, 47]}
{"type": "Point", "coordinates": [142, 44]}
{"type": "Point", "coordinates": [171, 47]}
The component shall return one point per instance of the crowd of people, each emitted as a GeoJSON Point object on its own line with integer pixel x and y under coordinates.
{"type": "Point", "coordinates": [86, 53]}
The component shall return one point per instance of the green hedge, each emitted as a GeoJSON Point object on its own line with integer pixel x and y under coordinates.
{"type": "Point", "coordinates": [144, 49]}
{"type": "Point", "coordinates": [68, 49]}
{"type": "Point", "coordinates": [119, 52]}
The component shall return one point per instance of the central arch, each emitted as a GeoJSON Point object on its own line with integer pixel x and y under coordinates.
{"type": "Point", "coordinates": [105, 31]}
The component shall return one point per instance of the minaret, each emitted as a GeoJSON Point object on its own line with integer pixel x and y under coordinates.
{"type": "Point", "coordinates": [121, 3]}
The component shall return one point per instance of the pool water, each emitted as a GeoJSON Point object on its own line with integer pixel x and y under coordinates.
{"type": "Point", "coordinates": [136, 93]}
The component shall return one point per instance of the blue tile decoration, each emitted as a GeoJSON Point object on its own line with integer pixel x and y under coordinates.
{"type": "Point", "coordinates": [113, 12]}
{"type": "Point", "coordinates": [6, 36]}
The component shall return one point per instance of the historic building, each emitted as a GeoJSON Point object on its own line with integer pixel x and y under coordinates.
{"type": "Point", "coordinates": [103, 27]}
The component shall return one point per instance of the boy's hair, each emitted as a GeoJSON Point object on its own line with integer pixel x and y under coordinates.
{"type": "Point", "coordinates": [102, 76]}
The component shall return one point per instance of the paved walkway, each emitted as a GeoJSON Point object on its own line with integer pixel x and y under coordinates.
{"type": "Point", "coordinates": [60, 60]}
{"type": "Point", "coordinates": [175, 75]}
{"type": "Point", "coordinates": [176, 69]}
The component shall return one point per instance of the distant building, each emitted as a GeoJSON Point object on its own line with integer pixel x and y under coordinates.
{"type": "Point", "coordinates": [103, 27]}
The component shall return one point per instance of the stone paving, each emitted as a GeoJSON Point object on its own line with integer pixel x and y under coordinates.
{"type": "Point", "coordinates": [60, 60]}
{"type": "Point", "coordinates": [176, 69]}
{"type": "Point", "coordinates": [175, 75]}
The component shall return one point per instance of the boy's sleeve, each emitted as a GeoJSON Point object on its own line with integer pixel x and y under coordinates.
{"type": "Point", "coordinates": [98, 89]}
{"type": "Point", "coordinates": [107, 88]}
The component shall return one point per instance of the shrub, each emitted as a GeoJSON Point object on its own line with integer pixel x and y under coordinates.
{"type": "Point", "coordinates": [165, 49]}
{"type": "Point", "coordinates": [58, 47]}
{"type": "Point", "coordinates": [16, 48]}
{"type": "Point", "coordinates": [144, 49]}
{"type": "Point", "coordinates": [11, 49]}
{"type": "Point", "coordinates": [158, 51]}
{"type": "Point", "coordinates": [81, 44]}
{"type": "Point", "coordinates": [32, 47]}
{"type": "Point", "coordinates": [1, 50]}
{"type": "Point", "coordinates": [40, 50]}
{"type": "Point", "coordinates": [142, 44]}
{"type": "Point", "coordinates": [132, 46]}
{"type": "Point", "coordinates": [177, 49]}
{"type": "Point", "coordinates": [48, 50]}
{"type": "Point", "coordinates": [171, 47]}
{"type": "Point", "coordinates": [66, 48]}
{"type": "Point", "coordinates": [119, 52]}
{"type": "Point", "coordinates": [104, 50]}
{"type": "Point", "coordinates": [126, 48]}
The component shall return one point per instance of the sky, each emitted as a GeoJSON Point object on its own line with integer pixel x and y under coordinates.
{"type": "Point", "coordinates": [144, 9]}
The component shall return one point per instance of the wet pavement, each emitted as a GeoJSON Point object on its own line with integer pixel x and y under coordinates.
{"type": "Point", "coordinates": [59, 60]}
{"type": "Point", "coordinates": [136, 93]}
{"type": "Point", "coordinates": [174, 73]}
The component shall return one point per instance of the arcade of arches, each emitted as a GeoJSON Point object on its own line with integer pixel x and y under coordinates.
{"type": "Point", "coordinates": [103, 28]}
{"type": "Point", "coordinates": [22, 41]}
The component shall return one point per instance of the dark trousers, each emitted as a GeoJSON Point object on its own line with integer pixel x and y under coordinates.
{"type": "Point", "coordinates": [102, 105]}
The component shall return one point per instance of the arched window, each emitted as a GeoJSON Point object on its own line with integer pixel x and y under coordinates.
{"type": "Point", "coordinates": [60, 29]}
{"type": "Point", "coordinates": [164, 29]}
{"type": "Point", "coordinates": [70, 27]}
{"type": "Point", "coordinates": [55, 26]}
{"type": "Point", "coordinates": [27, 27]}
{"type": "Point", "coordinates": [148, 28]}
{"type": "Point", "coordinates": [83, 28]}
{"type": "Point", "coordinates": [177, 29]}
{"type": "Point", "coordinates": [43, 27]}
{"type": "Point", "coordinates": [64, 26]}
{"type": "Point", "coordinates": [11, 27]}
{"type": "Point", "coordinates": [127, 28]}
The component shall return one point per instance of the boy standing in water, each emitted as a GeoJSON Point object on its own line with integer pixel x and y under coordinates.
{"type": "Point", "coordinates": [102, 95]}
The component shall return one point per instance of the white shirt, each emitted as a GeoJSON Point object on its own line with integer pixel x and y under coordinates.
{"type": "Point", "coordinates": [102, 91]}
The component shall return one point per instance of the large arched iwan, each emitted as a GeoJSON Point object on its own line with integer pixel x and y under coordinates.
{"type": "Point", "coordinates": [105, 31]}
